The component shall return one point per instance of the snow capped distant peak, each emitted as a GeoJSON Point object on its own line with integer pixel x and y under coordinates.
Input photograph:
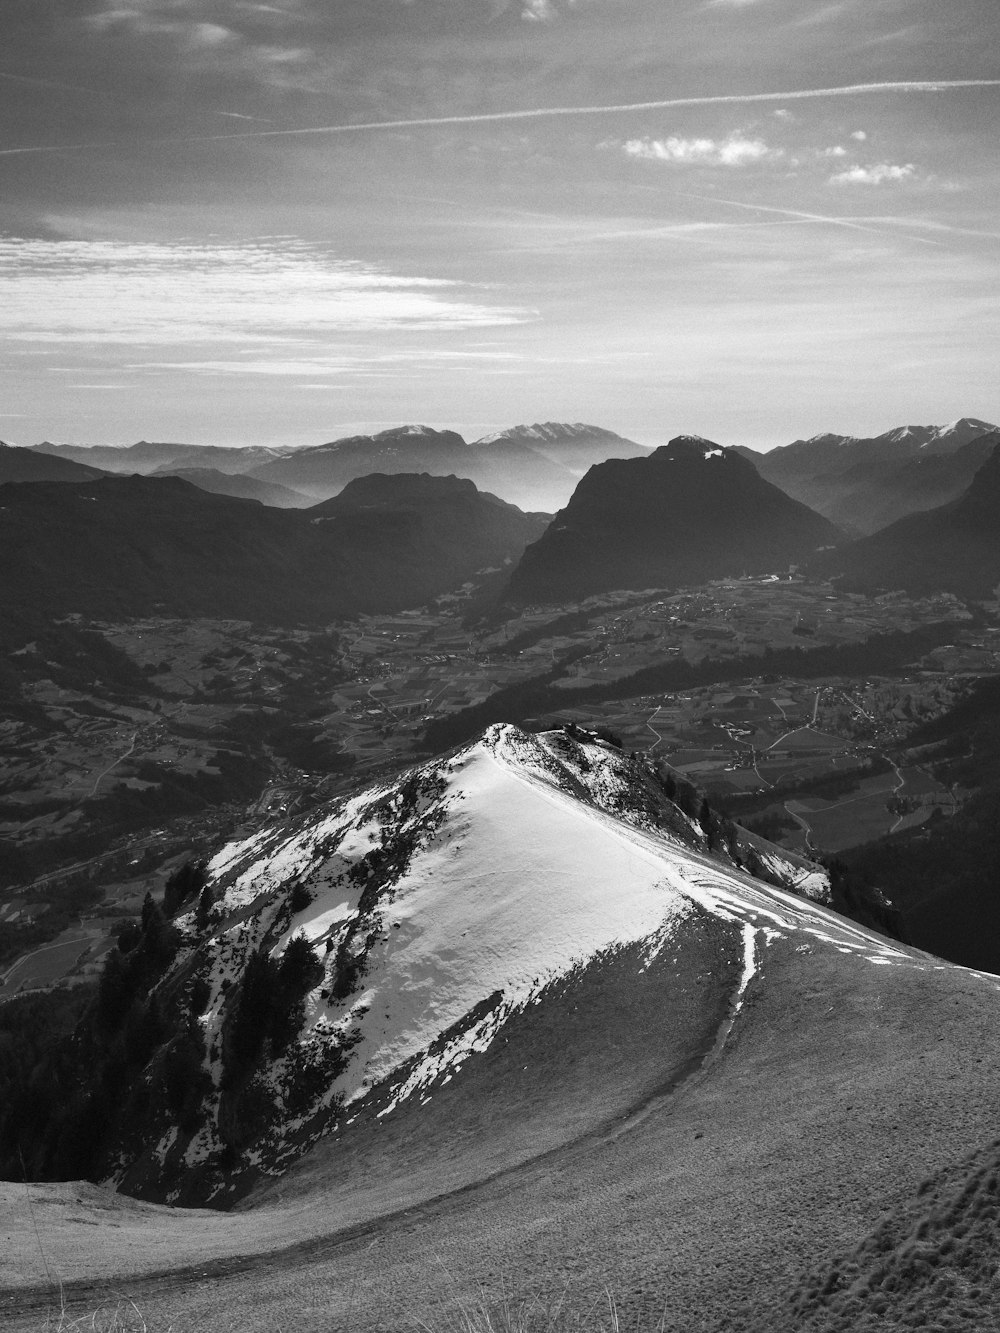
{"type": "Point", "coordinates": [825, 437]}
{"type": "Point", "coordinates": [412, 429]}
{"type": "Point", "coordinates": [545, 432]}
{"type": "Point", "coordinates": [968, 427]}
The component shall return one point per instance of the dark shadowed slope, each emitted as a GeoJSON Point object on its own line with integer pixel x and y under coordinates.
{"type": "Point", "coordinates": [26, 465]}
{"type": "Point", "coordinates": [142, 545]}
{"type": "Point", "coordinates": [955, 548]}
{"type": "Point", "coordinates": [239, 485]}
{"type": "Point", "coordinates": [688, 512]}
{"type": "Point", "coordinates": [588, 1054]}
{"type": "Point", "coordinates": [864, 484]}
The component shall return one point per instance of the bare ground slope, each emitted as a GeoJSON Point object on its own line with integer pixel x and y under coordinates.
{"type": "Point", "coordinates": [631, 1132]}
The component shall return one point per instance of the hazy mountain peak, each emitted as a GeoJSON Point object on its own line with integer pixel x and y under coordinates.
{"type": "Point", "coordinates": [549, 432]}
{"type": "Point", "coordinates": [415, 431]}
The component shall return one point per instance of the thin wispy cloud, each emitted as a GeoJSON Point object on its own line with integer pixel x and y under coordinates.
{"type": "Point", "coordinates": [542, 113]}
{"type": "Point", "coordinates": [135, 293]}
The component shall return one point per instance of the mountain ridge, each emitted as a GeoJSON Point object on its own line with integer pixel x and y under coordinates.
{"type": "Point", "coordinates": [689, 511]}
{"type": "Point", "coordinates": [125, 546]}
{"type": "Point", "coordinates": [680, 1092]}
{"type": "Point", "coordinates": [952, 548]}
{"type": "Point", "coordinates": [863, 484]}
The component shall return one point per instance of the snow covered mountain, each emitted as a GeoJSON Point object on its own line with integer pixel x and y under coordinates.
{"type": "Point", "coordinates": [407, 927]}
{"type": "Point", "coordinates": [518, 474]}
{"type": "Point", "coordinates": [573, 445]}
{"type": "Point", "coordinates": [534, 467]}
{"type": "Point", "coordinates": [864, 484]}
{"type": "Point", "coordinates": [513, 1016]}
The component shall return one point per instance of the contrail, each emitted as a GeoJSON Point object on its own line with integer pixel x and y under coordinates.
{"type": "Point", "coordinates": [542, 113]}
{"type": "Point", "coordinates": [850, 223]}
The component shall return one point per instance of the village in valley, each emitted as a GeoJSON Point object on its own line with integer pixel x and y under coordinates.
{"type": "Point", "coordinates": [112, 783]}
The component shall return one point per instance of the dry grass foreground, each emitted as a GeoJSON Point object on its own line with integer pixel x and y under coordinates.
{"type": "Point", "coordinates": [842, 1087]}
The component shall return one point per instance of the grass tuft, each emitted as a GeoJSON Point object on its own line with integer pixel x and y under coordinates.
{"type": "Point", "coordinates": [123, 1316]}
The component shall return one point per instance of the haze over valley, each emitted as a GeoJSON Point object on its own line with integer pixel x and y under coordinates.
{"type": "Point", "coordinates": [499, 666]}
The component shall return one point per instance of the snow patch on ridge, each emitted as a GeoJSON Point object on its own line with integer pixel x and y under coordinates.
{"type": "Point", "coordinates": [465, 889]}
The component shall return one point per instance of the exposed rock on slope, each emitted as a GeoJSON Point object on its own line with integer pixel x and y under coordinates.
{"type": "Point", "coordinates": [688, 512]}
{"type": "Point", "coordinates": [437, 910]}
{"type": "Point", "coordinates": [688, 1089]}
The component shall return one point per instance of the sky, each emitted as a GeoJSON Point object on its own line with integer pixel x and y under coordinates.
{"type": "Point", "coordinates": [232, 222]}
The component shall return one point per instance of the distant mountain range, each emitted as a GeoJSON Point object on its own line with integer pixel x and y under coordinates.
{"type": "Point", "coordinates": [534, 467]}
{"type": "Point", "coordinates": [26, 465]}
{"type": "Point", "coordinates": [865, 484]}
{"type": "Point", "coordinates": [687, 512]}
{"type": "Point", "coordinates": [953, 548]}
{"type": "Point", "coordinates": [136, 546]}
{"type": "Point", "coordinates": [149, 455]}
{"type": "Point", "coordinates": [681, 514]}
{"type": "Point", "coordinates": [240, 485]}
{"type": "Point", "coordinates": [573, 446]}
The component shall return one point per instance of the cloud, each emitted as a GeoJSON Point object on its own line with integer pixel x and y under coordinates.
{"type": "Point", "coordinates": [859, 135]}
{"type": "Point", "coordinates": [533, 113]}
{"type": "Point", "coordinates": [874, 175]}
{"type": "Point", "coordinates": [734, 151]}
{"type": "Point", "coordinates": [274, 291]}
{"type": "Point", "coordinates": [838, 150]}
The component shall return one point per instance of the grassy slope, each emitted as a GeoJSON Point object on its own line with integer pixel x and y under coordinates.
{"type": "Point", "coordinates": [842, 1086]}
